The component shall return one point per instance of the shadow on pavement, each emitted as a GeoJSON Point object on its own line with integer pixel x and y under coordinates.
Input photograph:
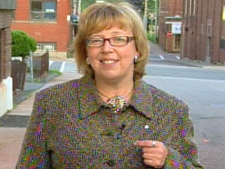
{"type": "Point", "coordinates": [29, 89]}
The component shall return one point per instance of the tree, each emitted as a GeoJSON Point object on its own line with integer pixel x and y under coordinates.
{"type": "Point", "coordinates": [114, 1]}
{"type": "Point", "coordinates": [22, 44]}
{"type": "Point", "coordinates": [86, 3]}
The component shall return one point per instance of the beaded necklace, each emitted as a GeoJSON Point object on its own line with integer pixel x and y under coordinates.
{"type": "Point", "coordinates": [116, 103]}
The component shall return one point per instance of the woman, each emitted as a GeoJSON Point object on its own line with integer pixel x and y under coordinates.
{"type": "Point", "coordinates": [109, 118]}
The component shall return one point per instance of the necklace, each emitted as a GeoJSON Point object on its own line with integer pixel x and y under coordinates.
{"type": "Point", "coordinates": [116, 103]}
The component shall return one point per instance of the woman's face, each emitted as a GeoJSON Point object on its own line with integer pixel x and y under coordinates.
{"type": "Point", "coordinates": [112, 62]}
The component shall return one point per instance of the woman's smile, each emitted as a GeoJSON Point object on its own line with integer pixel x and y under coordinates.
{"type": "Point", "coordinates": [109, 61]}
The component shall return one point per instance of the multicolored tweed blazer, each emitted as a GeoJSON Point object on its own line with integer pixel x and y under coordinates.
{"type": "Point", "coordinates": [72, 128]}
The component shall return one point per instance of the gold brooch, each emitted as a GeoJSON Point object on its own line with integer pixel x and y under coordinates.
{"type": "Point", "coordinates": [116, 103]}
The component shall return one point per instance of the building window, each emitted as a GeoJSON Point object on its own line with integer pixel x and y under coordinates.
{"type": "Point", "coordinates": [223, 17]}
{"type": "Point", "coordinates": [43, 10]}
{"type": "Point", "coordinates": [46, 46]}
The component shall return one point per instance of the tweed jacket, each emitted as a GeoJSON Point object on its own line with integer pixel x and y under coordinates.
{"type": "Point", "coordinates": [72, 128]}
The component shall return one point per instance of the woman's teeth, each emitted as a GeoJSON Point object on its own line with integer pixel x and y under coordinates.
{"type": "Point", "coordinates": [108, 61]}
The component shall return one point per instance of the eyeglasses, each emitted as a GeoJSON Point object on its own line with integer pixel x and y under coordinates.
{"type": "Point", "coordinates": [114, 41]}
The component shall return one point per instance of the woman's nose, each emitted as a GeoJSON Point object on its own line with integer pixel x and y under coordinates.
{"type": "Point", "coordinates": [107, 46]}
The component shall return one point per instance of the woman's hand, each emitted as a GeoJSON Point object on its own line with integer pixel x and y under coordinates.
{"type": "Point", "coordinates": [154, 152]}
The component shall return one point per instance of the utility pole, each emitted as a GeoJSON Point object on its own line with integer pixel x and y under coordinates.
{"type": "Point", "coordinates": [156, 20]}
{"type": "Point", "coordinates": [145, 19]}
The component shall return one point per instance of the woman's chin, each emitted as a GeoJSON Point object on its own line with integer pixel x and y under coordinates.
{"type": "Point", "coordinates": [109, 76]}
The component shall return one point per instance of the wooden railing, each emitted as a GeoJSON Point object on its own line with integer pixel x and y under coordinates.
{"type": "Point", "coordinates": [19, 70]}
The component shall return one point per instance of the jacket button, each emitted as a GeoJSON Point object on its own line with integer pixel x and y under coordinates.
{"type": "Point", "coordinates": [111, 163]}
{"type": "Point", "coordinates": [118, 136]}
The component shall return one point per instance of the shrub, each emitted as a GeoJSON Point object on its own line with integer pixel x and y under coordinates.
{"type": "Point", "coordinates": [152, 37]}
{"type": "Point", "coordinates": [22, 43]}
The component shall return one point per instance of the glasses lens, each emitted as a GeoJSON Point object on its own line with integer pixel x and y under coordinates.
{"type": "Point", "coordinates": [95, 42]}
{"type": "Point", "coordinates": [114, 41]}
{"type": "Point", "coordinates": [119, 40]}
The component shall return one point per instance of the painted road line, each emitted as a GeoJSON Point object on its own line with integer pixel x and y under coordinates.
{"type": "Point", "coordinates": [161, 57]}
{"type": "Point", "coordinates": [62, 67]}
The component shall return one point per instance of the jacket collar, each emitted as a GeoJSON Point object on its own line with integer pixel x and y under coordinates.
{"type": "Point", "coordinates": [90, 102]}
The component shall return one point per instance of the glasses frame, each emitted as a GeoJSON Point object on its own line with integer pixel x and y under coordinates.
{"type": "Point", "coordinates": [129, 39]}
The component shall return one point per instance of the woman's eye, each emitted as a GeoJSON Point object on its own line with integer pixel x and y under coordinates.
{"type": "Point", "coordinates": [119, 39]}
{"type": "Point", "coordinates": [96, 40]}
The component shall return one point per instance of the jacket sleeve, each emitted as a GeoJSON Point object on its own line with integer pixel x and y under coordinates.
{"type": "Point", "coordinates": [34, 153]}
{"type": "Point", "coordinates": [182, 151]}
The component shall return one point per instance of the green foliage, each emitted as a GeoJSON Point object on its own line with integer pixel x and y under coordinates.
{"type": "Point", "coordinates": [55, 72]}
{"type": "Point", "coordinates": [22, 43]}
{"type": "Point", "coordinates": [114, 1]}
{"type": "Point", "coordinates": [151, 5]}
{"type": "Point", "coordinates": [85, 4]}
{"type": "Point", "coordinates": [152, 37]}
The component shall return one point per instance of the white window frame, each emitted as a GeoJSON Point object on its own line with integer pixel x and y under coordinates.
{"type": "Point", "coordinates": [43, 46]}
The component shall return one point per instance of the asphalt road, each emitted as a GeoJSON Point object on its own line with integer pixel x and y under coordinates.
{"type": "Point", "coordinates": [204, 91]}
{"type": "Point", "coordinates": [176, 70]}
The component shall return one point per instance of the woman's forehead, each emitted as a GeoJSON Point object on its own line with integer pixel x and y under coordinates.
{"type": "Point", "coordinates": [114, 28]}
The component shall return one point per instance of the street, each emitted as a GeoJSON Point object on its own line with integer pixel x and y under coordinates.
{"type": "Point", "coordinates": [203, 90]}
{"type": "Point", "coordinates": [207, 110]}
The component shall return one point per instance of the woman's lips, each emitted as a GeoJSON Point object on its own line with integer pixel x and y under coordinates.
{"type": "Point", "coordinates": [109, 61]}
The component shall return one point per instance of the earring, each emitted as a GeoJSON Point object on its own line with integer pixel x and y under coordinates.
{"type": "Point", "coordinates": [135, 59]}
{"type": "Point", "coordinates": [87, 61]}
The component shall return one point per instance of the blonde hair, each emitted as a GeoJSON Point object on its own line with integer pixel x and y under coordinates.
{"type": "Point", "coordinates": [100, 16]}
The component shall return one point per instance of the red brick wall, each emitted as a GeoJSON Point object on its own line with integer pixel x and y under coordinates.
{"type": "Point", "coordinates": [22, 10]}
{"type": "Point", "coordinates": [55, 32]}
{"type": "Point", "coordinates": [175, 7]}
{"type": "Point", "coordinates": [207, 28]}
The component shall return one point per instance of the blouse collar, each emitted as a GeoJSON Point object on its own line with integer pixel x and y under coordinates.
{"type": "Point", "coordinates": [90, 101]}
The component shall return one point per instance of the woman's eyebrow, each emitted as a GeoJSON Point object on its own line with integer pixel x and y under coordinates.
{"type": "Point", "coordinates": [114, 33]}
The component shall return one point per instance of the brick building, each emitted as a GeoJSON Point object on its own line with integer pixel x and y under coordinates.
{"type": "Point", "coordinates": [47, 21]}
{"type": "Point", "coordinates": [6, 96]}
{"type": "Point", "coordinates": [170, 22]}
{"type": "Point", "coordinates": [204, 30]}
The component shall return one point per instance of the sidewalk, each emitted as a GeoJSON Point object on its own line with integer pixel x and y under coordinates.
{"type": "Point", "coordinates": [13, 124]}
{"type": "Point", "coordinates": [156, 49]}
